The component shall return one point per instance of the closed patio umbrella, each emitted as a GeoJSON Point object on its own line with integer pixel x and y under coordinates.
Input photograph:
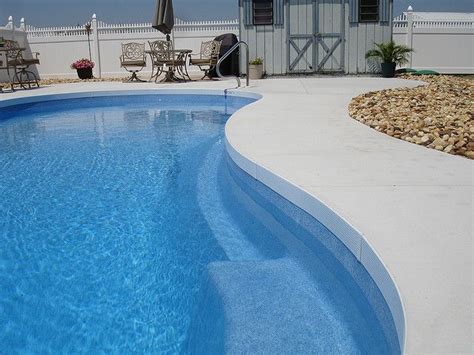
{"type": "Point", "coordinates": [164, 17]}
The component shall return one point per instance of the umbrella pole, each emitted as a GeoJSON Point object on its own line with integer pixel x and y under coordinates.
{"type": "Point", "coordinates": [170, 77]}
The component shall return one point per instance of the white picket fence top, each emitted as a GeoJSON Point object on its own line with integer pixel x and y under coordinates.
{"type": "Point", "coordinates": [130, 28]}
{"type": "Point", "coordinates": [66, 31]}
{"type": "Point", "coordinates": [436, 20]}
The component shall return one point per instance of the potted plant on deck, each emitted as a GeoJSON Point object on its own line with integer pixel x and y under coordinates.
{"type": "Point", "coordinates": [256, 68]}
{"type": "Point", "coordinates": [390, 54]}
{"type": "Point", "coordinates": [84, 68]}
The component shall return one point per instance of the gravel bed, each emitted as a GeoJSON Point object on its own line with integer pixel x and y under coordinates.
{"type": "Point", "coordinates": [438, 115]}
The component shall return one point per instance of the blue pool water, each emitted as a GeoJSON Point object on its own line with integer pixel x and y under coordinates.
{"type": "Point", "coordinates": [126, 228]}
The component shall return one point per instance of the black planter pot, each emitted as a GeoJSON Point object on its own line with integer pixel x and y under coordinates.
{"type": "Point", "coordinates": [84, 73]}
{"type": "Point", "coordinates": [388, 70]}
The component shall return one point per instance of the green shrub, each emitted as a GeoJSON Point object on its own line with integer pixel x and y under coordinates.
{"type": "Point", "coordinates": [390, 53]}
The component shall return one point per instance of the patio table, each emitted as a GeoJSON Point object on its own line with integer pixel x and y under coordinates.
{"type": "Point", "coordinates": [178, 64]}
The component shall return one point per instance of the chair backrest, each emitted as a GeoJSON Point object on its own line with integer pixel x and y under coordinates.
{"type": "Point", "coordinates": [133, 51]}
{"type": "Point", "coordinates": [161, 50]}
{"type": "Point", "coordinates": [210, 50]}
{"type": "Point", "coordinates": [13, 49]}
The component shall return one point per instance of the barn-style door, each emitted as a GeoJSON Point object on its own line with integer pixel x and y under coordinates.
{"type": "Point", "coordinates": [315, 35]}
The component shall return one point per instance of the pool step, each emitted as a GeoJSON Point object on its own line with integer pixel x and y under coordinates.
{"type": "Point", "coordinates": [235, 220]}
{"type": "Point", "coordinates": [272, 306]}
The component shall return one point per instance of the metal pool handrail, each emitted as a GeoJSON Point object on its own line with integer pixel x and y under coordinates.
{"type": "Point", "coordinates": [228, 53]}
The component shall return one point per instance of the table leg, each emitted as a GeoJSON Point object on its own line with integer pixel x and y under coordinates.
{"type": "Point", "coordinates": [169, 76]}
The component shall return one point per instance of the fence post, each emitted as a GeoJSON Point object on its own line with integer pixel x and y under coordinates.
{"type": "Point", "coordinates": [409, 35]}
{"type": "Point", "coordinates": [11, 26]}
{"type": "Point", "coordinates": [22, 24]}
{"type": "Point", "coordinates": [10, 22]}
{"type": "Point", "coordinates": [96, 52]}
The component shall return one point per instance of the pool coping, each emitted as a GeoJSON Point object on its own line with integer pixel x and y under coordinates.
{"type": "Point", "coordinates": [104, 93]}
{"type": "Point", "coordinates": [353, 237]}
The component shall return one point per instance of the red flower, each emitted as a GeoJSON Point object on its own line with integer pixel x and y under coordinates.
{"type": "Point", "coordinates": [83, 64]}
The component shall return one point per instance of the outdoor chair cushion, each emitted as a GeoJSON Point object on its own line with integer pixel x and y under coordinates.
{"type": "Point", "coordinates": [23, 61]}
{"type": "Point", "coordinates": [137, 63]}
{"type": "Point", "coordinates": [200, 61]}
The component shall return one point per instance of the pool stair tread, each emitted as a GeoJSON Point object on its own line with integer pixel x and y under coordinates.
{"type": "Point", "coordinates": [291, 314]}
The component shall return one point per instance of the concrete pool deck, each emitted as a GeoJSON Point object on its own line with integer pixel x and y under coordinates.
{"type": "Point", "coordinates": [412, 205]}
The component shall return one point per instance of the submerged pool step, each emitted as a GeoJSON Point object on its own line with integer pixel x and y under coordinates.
{"type": "Point", "coordinates": [231, 214]}
{"type": "Point", "coordinates": [269, 306]}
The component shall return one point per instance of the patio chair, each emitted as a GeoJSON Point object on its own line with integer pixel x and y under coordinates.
{"type": "Point", "coordinates": [162, 55]}
{"type": "Point", "coordinates": [16, 60]}
{"type": "Point", "coordinates": [208, 57]}
{"type": "Point", "coordinates": [133, 59]}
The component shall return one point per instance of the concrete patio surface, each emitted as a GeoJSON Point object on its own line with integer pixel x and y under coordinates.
{"type": "Point", "coordinates": [413, 206]}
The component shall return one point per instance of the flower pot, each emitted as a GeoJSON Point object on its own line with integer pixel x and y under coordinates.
{"type": "Point", "coordinates": [84, 73]}
{"type": "Point", "coordinates": [388, 70]}
{"type": "Point", "coordinates": [255, 71]}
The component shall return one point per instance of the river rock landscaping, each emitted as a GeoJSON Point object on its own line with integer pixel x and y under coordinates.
{"type": "Point", "coordinates": [438, 115]}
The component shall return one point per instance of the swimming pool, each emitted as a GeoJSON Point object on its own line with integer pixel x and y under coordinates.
{"type": "Point", "coordinates": [126, 228]}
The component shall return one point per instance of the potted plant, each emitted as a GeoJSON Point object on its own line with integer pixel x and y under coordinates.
{"type": "Point", "coordinates": [256, 68]}
{"type": "Point", "coordinates": [391, 55]}
{"type": "Point", "coordinates": [84, 68]}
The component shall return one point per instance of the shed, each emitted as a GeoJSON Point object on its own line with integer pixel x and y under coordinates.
{"type": "Point", "coordinates": [314, 36]}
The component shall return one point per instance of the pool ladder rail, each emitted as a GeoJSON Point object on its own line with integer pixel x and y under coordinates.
{"type": "Point", "coordinates": [227, 54]}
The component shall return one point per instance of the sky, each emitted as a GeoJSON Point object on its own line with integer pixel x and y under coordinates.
{"type": "Point", "coordinates": [73, 12]}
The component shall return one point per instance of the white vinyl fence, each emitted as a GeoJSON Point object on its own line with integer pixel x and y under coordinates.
{"type": "Point", "coordinates": [60, 46]}
{"type": "Point", "coordinates": [442, 41]}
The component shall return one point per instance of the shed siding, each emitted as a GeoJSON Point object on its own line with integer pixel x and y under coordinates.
{"type": "Point", "coordinates": [353, 11]}
{"type": "Point", "coordinates": [384, 10]}
{"type": "Point", "coordinates": [360, 37]}
{"type": "Point", "coordinates": [247, 15]}
{"type": "Point", "coordinates": [270, 42]}
{"type": "Point", "coordinates": [279, 14]}
{"type": "Point", "coordinates": [267, 42]}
